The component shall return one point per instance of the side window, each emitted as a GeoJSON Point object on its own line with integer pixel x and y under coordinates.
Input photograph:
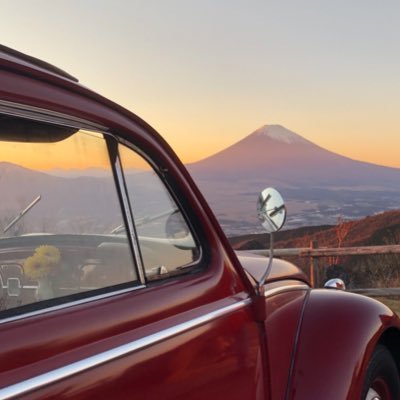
{"type": "Point", "coordinates": [59, 209]}
{"type": "Point", "coordinates": [166, 242]}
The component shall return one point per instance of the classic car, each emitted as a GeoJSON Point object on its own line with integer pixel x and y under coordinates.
{"type": "Point", "coordinates": [116, 280]}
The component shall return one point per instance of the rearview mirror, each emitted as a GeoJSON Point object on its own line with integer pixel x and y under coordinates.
{"type": "Point", "coordinates": [15, 129]}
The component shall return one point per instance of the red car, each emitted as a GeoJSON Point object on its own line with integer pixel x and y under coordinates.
{"type": "Point", "coordinates": [117, 282]}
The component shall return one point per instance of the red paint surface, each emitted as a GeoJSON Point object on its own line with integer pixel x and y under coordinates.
{"type": "Point", "coordinates": [233, 357]}
{"type": "Point", "coordinates": [337, 338]}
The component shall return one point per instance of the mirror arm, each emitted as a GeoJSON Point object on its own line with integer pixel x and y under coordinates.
{"type": "Point", "coordinates": [260, 284]}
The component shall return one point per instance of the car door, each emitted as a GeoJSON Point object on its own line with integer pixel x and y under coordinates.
{"type": "Point", "coordinates": [112, 284]}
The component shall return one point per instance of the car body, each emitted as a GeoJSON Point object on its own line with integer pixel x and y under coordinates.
{"type": "Point", "coordinates": [117, 281]}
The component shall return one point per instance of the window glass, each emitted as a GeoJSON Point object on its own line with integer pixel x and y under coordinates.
{"type": "Point", "coordinates": [58, 211]}
{"type": "Point", "coordinates": [165, 239]}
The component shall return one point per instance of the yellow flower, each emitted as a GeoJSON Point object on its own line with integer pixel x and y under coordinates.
{"type": "Point", "coordinates": [51, 253]}
{"type": "Point", "coordinates": [43, 261]}
{"type": "Point", "coordinates": [36, 267]}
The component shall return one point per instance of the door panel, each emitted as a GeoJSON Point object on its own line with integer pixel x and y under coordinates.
{"type": "Point", "coordinates": [284, 313]}
{"type": "Point", "coordinates": [215, 358]}
{"type": "Point", "coordinates": [182, 327]}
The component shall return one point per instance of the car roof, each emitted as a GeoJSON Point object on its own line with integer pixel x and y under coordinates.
{"type": "Point", "coordinates": [25, 62]}
{"type": "Point", "coordinates": [26, 65]}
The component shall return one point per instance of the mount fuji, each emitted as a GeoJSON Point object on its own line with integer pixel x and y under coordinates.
{"type": "Point", "coordinates": [319, 185]}
{"type": "Point", "coordinates": [278, 154]}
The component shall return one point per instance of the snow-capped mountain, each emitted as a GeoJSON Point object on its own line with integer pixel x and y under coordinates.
{"type": "Point", "coordinates": [318, 185]}
{"type": "Point", "coordinates": [277, 154]}
{"type": "Point", "coordinates": [280, 134]}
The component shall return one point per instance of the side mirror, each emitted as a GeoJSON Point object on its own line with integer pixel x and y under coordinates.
{"type": "Point", "coordinates": [178, 232]}
{"type": "Point", "coordinates": [271, 210]}
{"type": "Point", "coordinates": [175, 226]}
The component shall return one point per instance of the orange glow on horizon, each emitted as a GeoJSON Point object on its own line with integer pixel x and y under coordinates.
{"type": "Point", "coordinates": [90, 152]}
{"type": "Point", "coordinates": [81, 151]}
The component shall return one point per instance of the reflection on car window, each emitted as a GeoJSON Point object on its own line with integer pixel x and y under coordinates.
{"type": "Point", "coordinates": [58, 207]}
{"type": "Point", "coordinates": [166, 242]}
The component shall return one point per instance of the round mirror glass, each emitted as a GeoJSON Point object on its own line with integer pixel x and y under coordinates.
{"type": "Point", "coordinates": [271, 210]}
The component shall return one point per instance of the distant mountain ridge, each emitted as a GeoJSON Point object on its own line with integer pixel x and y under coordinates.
{"type": "Point", "coordinates": [61, 197]}
{"type": "Point", "coordinates": [83, 200]}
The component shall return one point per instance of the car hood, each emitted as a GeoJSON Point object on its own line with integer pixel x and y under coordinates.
{"type": "Point", "coordinates": [255, 265]}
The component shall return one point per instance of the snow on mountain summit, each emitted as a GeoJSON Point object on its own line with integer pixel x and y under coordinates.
{"type": "Point", "coordinates": [279, 133]}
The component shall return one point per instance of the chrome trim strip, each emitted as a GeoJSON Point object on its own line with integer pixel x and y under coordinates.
{"type": "Point", "coordinates": [129, 217]}
{"type": "Point", "coordinates": [267, 293]}
{"type": "Point", "coordinates": [58, 374]}
{"type": "Point", "coordinates": [43, 115]}
{"type": "Point", "coordinates": [282, 289]}
{"type": "Point", "coordinates": [70, 304]}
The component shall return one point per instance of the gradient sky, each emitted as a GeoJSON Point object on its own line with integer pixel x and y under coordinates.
{"type": "Point", "coordinates": [207, 73]}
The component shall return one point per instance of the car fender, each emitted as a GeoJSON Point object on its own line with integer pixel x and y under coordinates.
{"type": "Point", "coordinates": [338, 334]}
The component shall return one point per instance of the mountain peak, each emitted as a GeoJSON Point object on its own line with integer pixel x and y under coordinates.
{"type": "Point", "coordinates": [279, 133]}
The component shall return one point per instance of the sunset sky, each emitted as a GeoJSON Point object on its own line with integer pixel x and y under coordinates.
{"type": "Point", "coordinates": [207, 73]}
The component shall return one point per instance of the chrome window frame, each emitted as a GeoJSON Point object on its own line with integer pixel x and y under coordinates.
{"type": "Point", "coordinates": [156, 169]}
{"type": "Point", "coordinates": [51, 117]}
{"type": "Point", "coordinates": [123, 195]}
{"type": "Point", "coordinates": [60, 119]}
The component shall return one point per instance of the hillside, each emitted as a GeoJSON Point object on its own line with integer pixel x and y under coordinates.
{"type": "Point", "coordinates": [79, 201]}
{"type": "Point", "coordinates": [372, 271]}
{"type": "Point", "coordinates": [379, 229]}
